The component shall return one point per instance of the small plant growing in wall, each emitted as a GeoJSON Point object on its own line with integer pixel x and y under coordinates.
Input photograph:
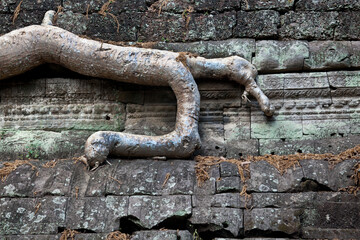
{"type": "Point", "coordinates": [32, 151]}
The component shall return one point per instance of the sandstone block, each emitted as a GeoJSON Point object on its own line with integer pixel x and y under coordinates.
{"type": "Point", "coordinates": [271, 219]}
{"type": "Point", "coordinates": [276, 129]}
{"type": "Point", "coordinates": [266, 178]}
{"type": "Point", "coordinates": [32, 216]}
{"type": "Point", "coordinates": [330, 55]}
{"type": "Point", "coordinates": [152, 178]}
{"type": "Point", "coordinates": [330, 219]}
{"type": "Point", "coordinates": [76, 23]}
{"type": "Point", "coordinates": [286, 146]}
{"type": "Point", "coordinates": [257, 24]}
{"type": "Point", "coordinates": [323, 5]}
{"type": "Point", "coordinates": [348, 27]}
{"type": "Point", "coordinates": [275, 56]}
{"type": "Point", "coordinates": [99, 214]}
{"type": "Point", "coordinates": [213, 49]}
{"type": "Point", "coordinates": [308, 25]}
{"type": "Point", "coordinates": [222, 200]}
{"type": "Point", "coordinates": [279, 5]}
{"type": "Point", "coordinates": [153, 210]}
{"type": "Point", "coordinates": [321, 173]}
{"type": "Point", "coordinates": [162, 234]}
{"type": "Point", "coordinates": [221, 219]}
{"type": "Point", "coordinates": [228, 184]}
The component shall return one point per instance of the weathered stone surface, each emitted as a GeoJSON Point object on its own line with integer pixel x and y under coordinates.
{"type": "Point", "coordinates": [308, 25]}
{"type": "Point", "coordinates": [335, 145]}
{"type": "Point", "coordinates": [100, 214]}
{"type": "Point", "coordinates": [299, 200]}
{"type": "Point", "coordinates": [220, 219]}
{"type": "Point", "coordinates": [106, 27]}
{"type": "Point", "coordinates": [223, 200]}
{"type": "Point", "coordinates": [151, 119]}
{"type": "Point", "coordinates": [341, 79]}
{"type": "Point", "coordinates": [228, 170]}
{"type": "Point", "coordinates": [326, 128]}
{"type": "Point", "coordinates": [32, 216]}
{"type": "Point", "coordinates": [162, 234]}
{"type": "Point", "coordinates": [277, 56]}
{"type": "Point", "coordinates": [326, 55]}
{"type": "Point", "coordinates": [355, 57]}
{"type": "Point", "coordinates": [283, 200]}
{"type": "Point", "coordinates": [174, 27]}
{"type": "Point", "coordinates": [309, 232]}
{"type": "Point", "coordinates": [214, 27]}
{"type": "Point", "coordinates": [286, 146]}
{"type": "Point", "coordinates": [256, 24]}
{"type": "Point", "coordinates": [95, 6]}
{"type": "Point", "coordinates": [284, 220]}
{"type": "Point", "coordinates": [321, 173]}
{"type": "Point", "coordinates": [259, 5]}
{"type": "Point", "coordinates": [339, 219]}
{"type": "Point", "coordinates": [42, 144]}
{"type": "Point", "coordinates": [228, 184]}
{"type": "Point", "coordinates": [348, 27]}
{"type": "Point", "coordinates": [76, 23]}
{"type": "Point", "coordinates": [213, 49]}
{"type": "Point", "coordinates": [212, 138]}
{"type": "Point", "coordinates": [209, 186]}
{"type": "Point", "coordinates": [179, 6]}
{"type": "Point", "coordinates": [94, 184]}
{"type": "Point", "coordinates": [53, 181]}
{"type": "Point", "coordinates": [325, 5]}
{"type": "Point", "coordinates": [266, 178]}
{"type": "Point", "coordinates": [18, 182]}
{"type": "Point", "coordinates": [153, 210]}
{"type": "Point", "coordinates": [277, 129]}
{"type": "Point", "coordinates": [152, 178]}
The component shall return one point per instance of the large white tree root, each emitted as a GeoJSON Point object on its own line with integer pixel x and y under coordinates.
{"type": "Point", "coordinates": [26, 48]}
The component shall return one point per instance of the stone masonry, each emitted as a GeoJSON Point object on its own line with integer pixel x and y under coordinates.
{"type": "Point", "coordinates": [142, 197]}
{"type": "Point", "coordinates": [307, 53]}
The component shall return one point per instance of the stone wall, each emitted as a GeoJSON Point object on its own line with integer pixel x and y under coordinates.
{"type": "Point", "coordinates": [162, 200]}
{"type": "Point", "coordinates": [307, 53]}
{"type": "Point", "coordinates": [308, 56]}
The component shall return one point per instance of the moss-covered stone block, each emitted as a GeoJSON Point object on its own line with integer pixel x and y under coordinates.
{"type": "Point", "coordinates": [328, 55]}
{"type": "Point", "coordinates": [277, 56]}
{"type": "Point", "coordinates": [277, 129]}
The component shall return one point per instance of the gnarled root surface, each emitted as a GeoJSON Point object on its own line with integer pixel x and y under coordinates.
{"type": "Point", "coordinates": [26, 48]}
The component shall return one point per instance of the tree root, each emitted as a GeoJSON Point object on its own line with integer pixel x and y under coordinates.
{"type": "Point", "coordinates": [29, 47]}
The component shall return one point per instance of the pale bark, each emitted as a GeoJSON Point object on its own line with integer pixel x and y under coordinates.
{"type": "Point", "coordinates": [26, 48]}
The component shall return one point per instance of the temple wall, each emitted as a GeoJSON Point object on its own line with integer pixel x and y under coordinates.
{"type": "Point", "coordinates": [307, 53]}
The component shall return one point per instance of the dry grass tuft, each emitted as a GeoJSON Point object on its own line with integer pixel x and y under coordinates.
{"type": "Point", "coordinates": [9, 167]}
{"type": "Point", "coordinates": [186, 15]}
{"type": "Point", "coordinates": [87, 11]}
{"type": "Point", "coordinates": [166, 179]}
{"type": "Point", "coordinates": [50, 164]}
{"type": "Point", "coordinates": [117, 235]}
{"type": "Point", "coordinates": [68, 234]}
{"type": "Point", "coordinates": [204, 163]}
{"type": "Point", "coordinates": [182, 57]}
{"type": "Point", "coordinates": [162, 4]}
{"type": "Point", "coordinates": [59, 10]}
{"type": "Point", "coordinates": [37, 207]}
{"type": "Point", "coordinates": [104, 11]}
{"type": "Point", "coordinates": [16, 12]}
